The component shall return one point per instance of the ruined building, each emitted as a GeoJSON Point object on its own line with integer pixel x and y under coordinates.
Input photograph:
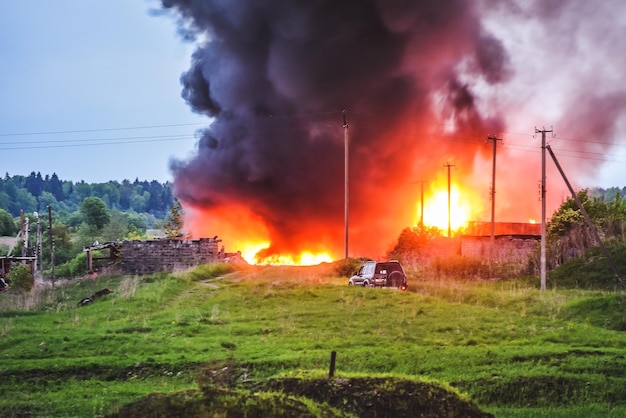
{"type": "Point", "coordinates": [139, 257]}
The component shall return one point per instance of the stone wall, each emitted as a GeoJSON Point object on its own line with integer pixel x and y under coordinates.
{"type": "Point", "coordinates": [138, 257]}
{"type": "Point", "coordinates": [507, 249]}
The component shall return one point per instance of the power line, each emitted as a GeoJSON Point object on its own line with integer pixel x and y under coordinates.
{"type": "Point", "coordinates": [93, 144]}
{"type": "Point", "coordinates": [100, 129]}
{"type": "Point", "coordinates": [182, 136]}
{"type": "Point", "coordinates": [455, 137]}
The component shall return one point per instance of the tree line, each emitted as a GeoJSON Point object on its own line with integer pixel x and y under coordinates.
{"type": "Point", "coordinates": [34, 193]}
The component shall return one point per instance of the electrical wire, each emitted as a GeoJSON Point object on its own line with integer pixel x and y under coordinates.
{"type": "Point", "coordinates": [99, 129]}
{"type": "Point", "coordinates": [443, 136]}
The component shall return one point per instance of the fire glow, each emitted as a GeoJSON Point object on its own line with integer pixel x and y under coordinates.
{"type": "Point", "coordinates": [250, 252]}
{"type": "Point", "coordinates": [246, 233]}
{"type": "Point", "coordinates": [464, 207]}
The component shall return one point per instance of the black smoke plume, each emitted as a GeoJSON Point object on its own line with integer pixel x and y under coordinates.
{"type": "Point", "coordinates": [275, 76]}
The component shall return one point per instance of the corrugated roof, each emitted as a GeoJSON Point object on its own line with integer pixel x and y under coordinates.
{"type": "Point", "coordinates": [482, 229]}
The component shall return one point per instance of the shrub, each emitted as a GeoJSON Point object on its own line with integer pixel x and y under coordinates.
{"type": "Point", "coordinates": [347, 266]}
{"type": "Point", "coordinates": [75, 267]}
{"type": "Point", "coordinates": [20, 277]}
{"type": "Point", "coordinates": [461, 267]}
{"type": "Point", "coordinates": [591, 269]}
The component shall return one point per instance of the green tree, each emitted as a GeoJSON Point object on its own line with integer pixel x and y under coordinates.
{"type": "Point", "coordinates": [126, 190]}
{"type": "Point", "coordinates": [7, 224]}
{"type": "Point", "coordinates": [568, 216]}
{"type": "Point", "coordinates": [412, 243]}
{"type": "Point", "coordinates": [117, 229]}
{"type": "Point", "coordinates": [85, 236]}
{"type": "Point", "coordinates": [23, 201]}
{"type": "Point", "coordinates": [53, 185]}
{"type": "Point", "coordinates": [568, 233]}
{"type": "Point", "coordinates": [174, 222]}
{"type": "Point", "coordinates": [139, 201]}
{"type": "Point", "coordinates": [95, 212]}
{"type": "Point", "coordinates": [47, 199]}
{"type": "Point", "coordinates": [136, 221]}
{"type": "Point", "coordinates": [83, 190]}
{"type": "Point", "coordinates": [35, 184]}
{"type": "Point", "coordinates": [5, 201]}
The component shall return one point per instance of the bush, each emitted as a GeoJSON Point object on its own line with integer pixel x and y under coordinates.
{"type": "Point", "coordinates": [461, 267]}
{"type": "Point", "coordinates": [591, 270]}
{"type": "Point", "coordinates": [347, 266]}
{"type": "Point", "coordinates": [75, 267]}
{"type": "Point", "coordinates": [20, 277]}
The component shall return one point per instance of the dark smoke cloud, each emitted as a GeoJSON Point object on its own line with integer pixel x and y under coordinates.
{"type": "Point", "coordinates": [275, 77]}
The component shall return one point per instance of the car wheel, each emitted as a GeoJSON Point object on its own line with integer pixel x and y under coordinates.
{"type": "Point", "coordinates": [395, 279]}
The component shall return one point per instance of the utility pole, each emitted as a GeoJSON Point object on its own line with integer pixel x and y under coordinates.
{"type": "Point", "coordinates": [346, 182]}
{"type": "Point", "coordinates": [421, 223]}
{"type": "Point", "coordinates": [22, 231]}
{"type": "Point", "coordinates": [422, 205]}
{"type": "Point", "coordinates": [493, 195]}
{"type": "Point", "coordinates": [51, 243]}
{"type": "Point", "coordinates": [38, 265]}
{"type": "Point", "coordinates": [449, 198]}
{"type": "Point", "coordinates": [543, 207]}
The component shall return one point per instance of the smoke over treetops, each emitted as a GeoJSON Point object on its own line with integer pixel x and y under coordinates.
{"type": "Point", "coordinates": [423, 83]}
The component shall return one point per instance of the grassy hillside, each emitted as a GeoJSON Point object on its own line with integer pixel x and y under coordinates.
{"type": "Point", "coordinates": [266, 333]}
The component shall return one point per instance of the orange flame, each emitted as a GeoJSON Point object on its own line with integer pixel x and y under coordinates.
{"type": "Point", "coordinates": [243, 231]}
{"type": "Point", "coordinates": [465, 206]}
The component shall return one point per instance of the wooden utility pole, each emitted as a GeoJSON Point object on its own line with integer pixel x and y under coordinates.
{"type": "Point", "coordinates": [422, 205]}
{"type": "Point", "coordinates": [493, 195]}
{"type": "Point", "coordinates": [23, 233]}
{"type": "Point", "coordinates": [421, 223]}
{"type": "Point", "coordinates": [449, 199]}
{"type": "Point", "coordinates": [346, 181]}
{"type": "Point", "coordinates": [51, 243]}
{"type": "Point", "coordinates": [38, 264]}
{"type": "Point", "coordinates": [542, 261]}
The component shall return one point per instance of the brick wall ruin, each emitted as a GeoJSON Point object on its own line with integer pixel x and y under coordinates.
{"type": "Point", "coordinates": [138, 257]}
{"type": "Point", "coordinates": [507, 249]}
{"type": "Point", "coordinates": [514, 242]}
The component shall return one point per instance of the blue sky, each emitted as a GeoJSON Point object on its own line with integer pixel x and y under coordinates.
{"type": "Point", "coordinates": [74, 74]}
{"type": "Point", "coordinates": [93, 66]}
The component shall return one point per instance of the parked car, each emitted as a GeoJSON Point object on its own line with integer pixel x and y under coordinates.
{"type": "Point", "coordinates": [381, 274]}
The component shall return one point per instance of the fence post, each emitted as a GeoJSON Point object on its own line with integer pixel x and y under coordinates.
{"type": "Point", "coordinates": [333, 357]}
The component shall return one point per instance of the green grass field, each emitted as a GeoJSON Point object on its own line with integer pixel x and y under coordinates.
{"type": "Point", "coordinates": [510, 349]}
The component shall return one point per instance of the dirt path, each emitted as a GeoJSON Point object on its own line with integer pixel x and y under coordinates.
{"type": "Point", "coordinates": [233, 277]}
